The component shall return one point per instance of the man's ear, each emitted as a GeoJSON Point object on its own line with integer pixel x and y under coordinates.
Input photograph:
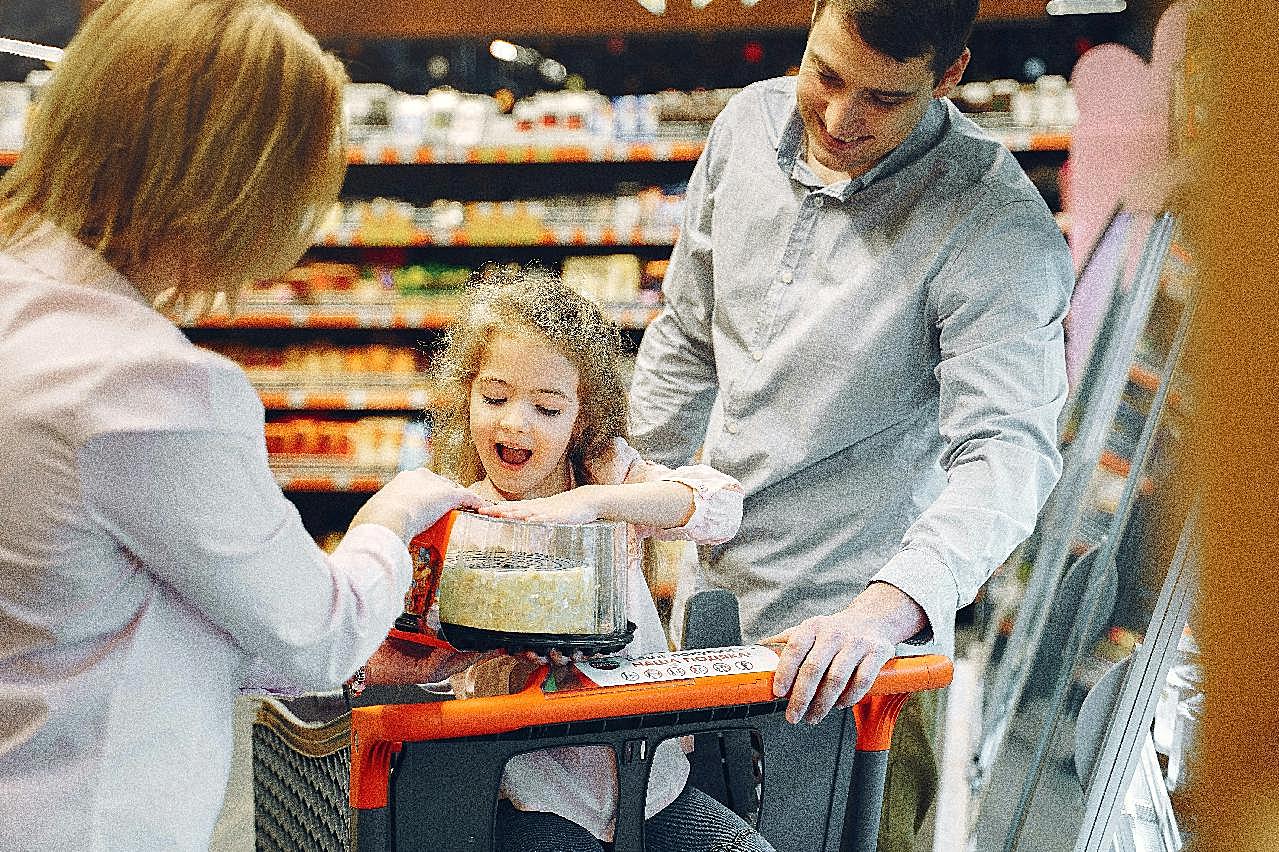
{"type": "Point", "coordinates": [953, 75]}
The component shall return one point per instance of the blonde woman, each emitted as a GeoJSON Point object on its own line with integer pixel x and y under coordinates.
{"type": "Point", "coordinates": [149, 565]}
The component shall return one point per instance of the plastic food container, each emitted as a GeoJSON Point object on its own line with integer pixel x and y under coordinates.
{"type": "Point", "coordinates": [514, 585]}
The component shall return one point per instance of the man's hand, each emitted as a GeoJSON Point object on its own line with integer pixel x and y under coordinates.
{"type": "Point", "coordinates": [832, 660]}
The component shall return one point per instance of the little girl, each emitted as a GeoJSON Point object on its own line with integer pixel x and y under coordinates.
{"type": "Point", "coordinates": [533, 412]}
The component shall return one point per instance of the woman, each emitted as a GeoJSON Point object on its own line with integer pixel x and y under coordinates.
{"type": "Point", "coordinates": [149, 565]}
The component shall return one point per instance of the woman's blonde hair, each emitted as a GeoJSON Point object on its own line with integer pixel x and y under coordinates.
{"type": "Point", "coordinates": [206, 129]}
{"type": "Point", "coordinates": [535, 303]}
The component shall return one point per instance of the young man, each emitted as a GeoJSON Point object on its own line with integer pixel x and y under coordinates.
{"type": "Point", "coordinates": [862, 325]}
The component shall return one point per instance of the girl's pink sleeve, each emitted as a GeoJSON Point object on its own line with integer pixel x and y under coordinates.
{"type": "Point", "coordinates": [717, 497]}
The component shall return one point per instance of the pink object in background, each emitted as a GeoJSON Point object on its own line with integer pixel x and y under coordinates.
{"type": "Point", "coordinates": [1123, 135]}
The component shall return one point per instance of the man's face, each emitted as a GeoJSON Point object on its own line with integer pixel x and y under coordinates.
{"type": "Point", "coordinates": [857, 104]}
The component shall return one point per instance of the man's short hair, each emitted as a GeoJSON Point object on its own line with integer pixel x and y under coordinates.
{"type": "Point", "coordinates": [908, 29]}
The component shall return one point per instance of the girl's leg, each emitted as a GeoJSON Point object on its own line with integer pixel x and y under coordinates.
{"type": "Point", "coordinates": [695, 822]}
{"type": "Point", "coordinates": [535, 831]}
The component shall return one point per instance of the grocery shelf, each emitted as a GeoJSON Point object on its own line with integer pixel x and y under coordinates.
{"type": "Point", "coordinates": [660, 150]}
{"type": "Point", "coordinates": [1027, 139]}
{"type": "Point", "coordinates": [657, 151]}
{"type": "Point", "coordinates": [1120, 468]}
{"type": "Point", "coordinates": [582, 235]}
{"type": "Point", "coordinates": [1148, 380]}
{"type": "Point", "coordinates": [399, 315]}
{"type": "Point", "coordinates": [334, 478]}
{"type": "Point", "coordinates": [343, 399]}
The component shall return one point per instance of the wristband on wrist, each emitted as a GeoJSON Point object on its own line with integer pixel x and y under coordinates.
{"type": "Point", "coordinates": [355, 685]}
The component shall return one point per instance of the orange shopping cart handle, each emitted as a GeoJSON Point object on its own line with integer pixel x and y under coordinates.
{"type": "Point", "coordinates": [378, 729]}
{"type": "Point", "coordinates": [503, 713]}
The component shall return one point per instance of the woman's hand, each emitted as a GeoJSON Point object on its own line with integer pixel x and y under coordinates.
{"type": "Point", "coordinates": [391, 665]}
{"type": "Point", "coordinates": [577, 506]}
{"type": "Point", "coordinates": [414, 500]}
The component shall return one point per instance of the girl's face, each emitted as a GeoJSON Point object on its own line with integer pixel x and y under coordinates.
{"type": "Point", "coordinates": [524, 407]}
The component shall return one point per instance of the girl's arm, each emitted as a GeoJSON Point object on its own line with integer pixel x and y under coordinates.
{"type": "Point", "coordinates": [658, 505]}
{"type": "Point", "coordinates": [695, 502]}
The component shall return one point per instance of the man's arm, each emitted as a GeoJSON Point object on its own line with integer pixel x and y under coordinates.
{"type": "Point", "coordinates": [675, 381]}
{"type": "Point", "coordinates": [998, 304]}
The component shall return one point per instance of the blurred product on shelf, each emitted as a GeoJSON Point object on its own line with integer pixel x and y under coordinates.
{"type": "Point", "coordinates": [649, 215]}
{"type": "Point", "coordinates": [380, 117]}
{"type": "Point", "coordinates": [323, 283]}
{"type": "Point", "coordinates": [609, 279]}
{"type": "Point", "coordinates": [654, 273]}
{"type": "Point", "coordinates": [369, 442]}
{"type": "Point", "coordinates": [329, 541]}
{"type": "Point", "coordinates": [15, 100]}
{"type": "Point", "coordinates": [445, 123]}
{"type": "Point", "coordinates": [1178, 712]}
{"type": "Point", "coordinates": [1048, 103]}
{"type": "Point", "coordinates": [304, 363]}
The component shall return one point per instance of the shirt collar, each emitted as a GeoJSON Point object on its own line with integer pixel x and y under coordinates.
{"type": "Point", "coordinates": [46, 248]}
{"type": "Point", "coordinates": [791, 144]}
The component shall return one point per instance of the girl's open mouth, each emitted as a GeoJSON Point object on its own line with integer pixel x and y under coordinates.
{"type": "Point", "coordinates": [513, 455]}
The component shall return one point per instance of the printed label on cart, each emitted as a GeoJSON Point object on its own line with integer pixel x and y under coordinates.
{"type": "Point", "coordinates": [678, 665]}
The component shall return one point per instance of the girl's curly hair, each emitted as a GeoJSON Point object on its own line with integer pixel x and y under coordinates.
{"type": "Point", "coordinates": [536, 303]}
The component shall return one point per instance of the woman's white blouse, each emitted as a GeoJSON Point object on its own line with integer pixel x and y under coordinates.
{"type": "Point", "coordinates": [148, 561]}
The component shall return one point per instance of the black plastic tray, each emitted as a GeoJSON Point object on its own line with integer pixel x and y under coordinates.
{"type": "Point", "coordinates": [478, 639]}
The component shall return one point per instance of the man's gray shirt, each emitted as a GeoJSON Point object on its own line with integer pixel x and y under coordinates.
{"type": "Point", "coordinates": [879, 362]}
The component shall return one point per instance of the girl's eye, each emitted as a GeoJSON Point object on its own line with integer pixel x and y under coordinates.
{"type": "Point", "coordinates": [493, 400]}
{"type": "Point", "coordinates": [548, 412]}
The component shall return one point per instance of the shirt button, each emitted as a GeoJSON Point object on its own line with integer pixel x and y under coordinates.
{"type": "Point", "coordinates": [787, 278]}
{"type": "Point", "coordinates": [730, 428]}
{"type": "Point", "coordinates": [757, 355]}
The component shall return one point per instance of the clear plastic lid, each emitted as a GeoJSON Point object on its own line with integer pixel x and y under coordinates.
{"type": "Point", "coordinates": [521, 577]}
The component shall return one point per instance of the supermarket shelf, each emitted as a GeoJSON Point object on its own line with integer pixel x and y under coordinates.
{"type": "Point", "coordinates": [588, 235]}
{"type": "Point", "coordinates": [1120, 467]}
{"type": "Point", "coordinates": [331, 478]}
{"type": "Point", "coordinates": [1148, 380]}
{"type": "Point", "coordinates": [406, 316]}
{"type": "Point", "coordinates": [657, 151]}
{"type": "Point", "coordinates": [343, 399]}
{"type": "Point", "coordinates": [1028, 139]}
{"type": "Point", "coordinates": [588, 152]}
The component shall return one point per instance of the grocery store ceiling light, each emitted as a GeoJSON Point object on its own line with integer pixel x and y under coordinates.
{"type": "Point", "coordinates": [1084, 7]}
{"type": "Point", "coordinates": [30, 49]}
{"type": "Point", "coordinates": [658, 7]}
{"type": "Point", "coordinates": [503, 50]}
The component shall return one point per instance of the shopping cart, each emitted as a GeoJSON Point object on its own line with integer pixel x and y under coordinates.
{"type": "Point", "coordinates": [425, 776]}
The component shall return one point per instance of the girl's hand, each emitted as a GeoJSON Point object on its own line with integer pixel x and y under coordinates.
{"type": "Point", "coordinates": [555, 657]}
{"type": "Point", "coordinates": [570, 507]}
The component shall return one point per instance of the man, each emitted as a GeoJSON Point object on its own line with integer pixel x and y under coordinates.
{"type": "Point", "coordinates": [863, 325]}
